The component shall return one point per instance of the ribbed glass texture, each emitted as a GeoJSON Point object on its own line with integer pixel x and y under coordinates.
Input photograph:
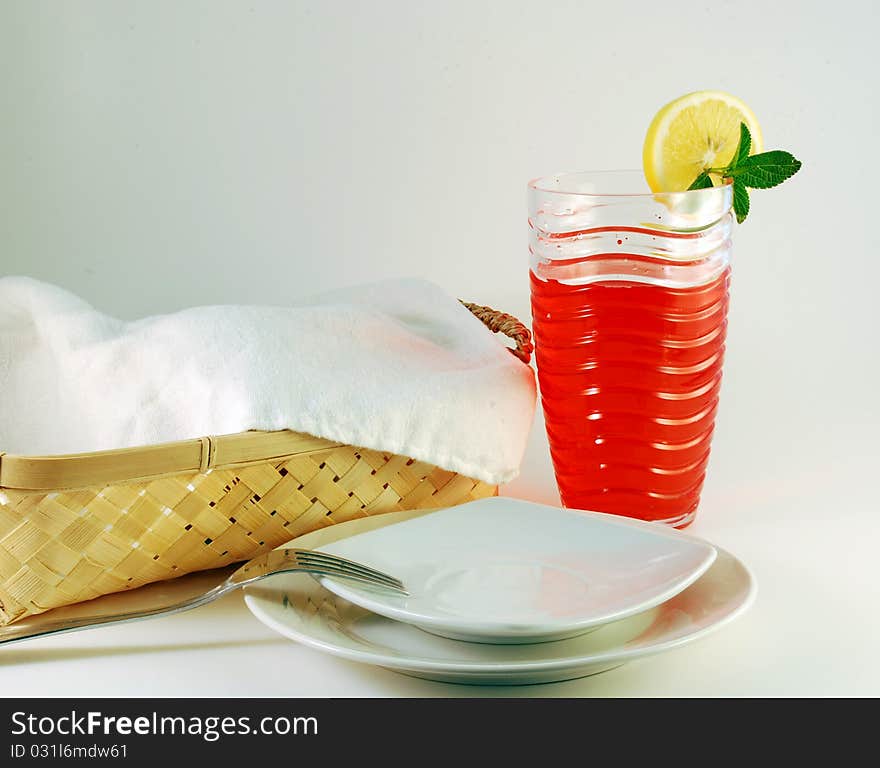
{"type": "Point", "coordinates": [629, 309]}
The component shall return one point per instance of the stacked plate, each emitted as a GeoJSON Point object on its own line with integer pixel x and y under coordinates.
{"type": "Point", "coordinates": [503, 591]}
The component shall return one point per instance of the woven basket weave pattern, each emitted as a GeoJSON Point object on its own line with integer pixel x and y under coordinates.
{"type": "Point", "coordinates": [64, 547]}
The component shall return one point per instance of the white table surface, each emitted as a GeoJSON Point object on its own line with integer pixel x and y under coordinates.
{"type": "Point", "coordinates": [806, 528]}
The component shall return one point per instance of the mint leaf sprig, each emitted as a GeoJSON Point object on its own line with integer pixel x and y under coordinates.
{"type": "Point", "coordinates": [761, 171]}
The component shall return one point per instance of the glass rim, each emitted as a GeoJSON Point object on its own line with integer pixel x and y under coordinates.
{"type": "Point", "coordinates": [539, 184]}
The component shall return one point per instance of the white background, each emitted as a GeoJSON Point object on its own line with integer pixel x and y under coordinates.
{"type": "Point", "coordinates": [156, 155]}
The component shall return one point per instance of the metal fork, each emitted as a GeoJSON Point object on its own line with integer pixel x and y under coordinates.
{"type": "Point", "coordinates": [192, 591]}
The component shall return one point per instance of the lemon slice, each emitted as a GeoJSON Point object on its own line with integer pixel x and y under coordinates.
{"type": "Point", "coordinates": [693, 133]}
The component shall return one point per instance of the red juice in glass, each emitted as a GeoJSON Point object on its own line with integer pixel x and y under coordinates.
{"type": "Point", "coordinates": [629, 307]}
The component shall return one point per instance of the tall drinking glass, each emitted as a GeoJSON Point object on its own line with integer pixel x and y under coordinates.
{"type": "Point", "coordinates": [629, 307]}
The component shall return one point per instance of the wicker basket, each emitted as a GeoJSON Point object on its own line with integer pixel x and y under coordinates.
{"type": "Point", "coordinates": [76, 527]}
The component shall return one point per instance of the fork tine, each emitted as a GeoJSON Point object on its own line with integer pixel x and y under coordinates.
{"type": "Point", "coordinates": [340, 574]}
{"type": "Point", "coordinates": [323, 557]}
{"type": "Point", "coordinates": [384, 581]}
{"type": "Point", "coordinates": [309, 557]}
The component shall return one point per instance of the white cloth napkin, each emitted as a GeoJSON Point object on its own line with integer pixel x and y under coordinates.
{"type": "Point", "coordinates": [396, 366]}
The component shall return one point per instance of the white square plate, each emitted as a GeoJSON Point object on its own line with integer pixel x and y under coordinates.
{"type": "Point", "coordinates": [501, 570]}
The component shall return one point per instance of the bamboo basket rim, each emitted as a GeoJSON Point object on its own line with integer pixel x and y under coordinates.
{"type": "Point", "coordinates": [122, 465]}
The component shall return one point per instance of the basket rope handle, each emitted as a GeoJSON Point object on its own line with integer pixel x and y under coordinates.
{"type": "Point", "coordinates": [501, 322]}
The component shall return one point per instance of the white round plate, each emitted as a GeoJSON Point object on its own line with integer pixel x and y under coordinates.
{"type": "Point", "coordinates": [296, 606]}
{"type": "Point", "coordinates": [502, 570]}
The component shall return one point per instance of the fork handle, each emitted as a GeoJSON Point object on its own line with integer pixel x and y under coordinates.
{"type": "Point", "coordinates": [40, 625]}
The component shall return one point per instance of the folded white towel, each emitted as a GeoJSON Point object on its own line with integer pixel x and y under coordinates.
{"type": "Point", "coordinates": [395, 366]}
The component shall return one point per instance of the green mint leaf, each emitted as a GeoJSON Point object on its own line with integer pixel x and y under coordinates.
{"type": "Point", "coordinates": [767, 169]}
{"type": "Point", "coordinates": [702, 181]}
{"type": "Point", "coordinates": [745, 145]}
{"type": "Point", "coordinates": [740, 200]}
